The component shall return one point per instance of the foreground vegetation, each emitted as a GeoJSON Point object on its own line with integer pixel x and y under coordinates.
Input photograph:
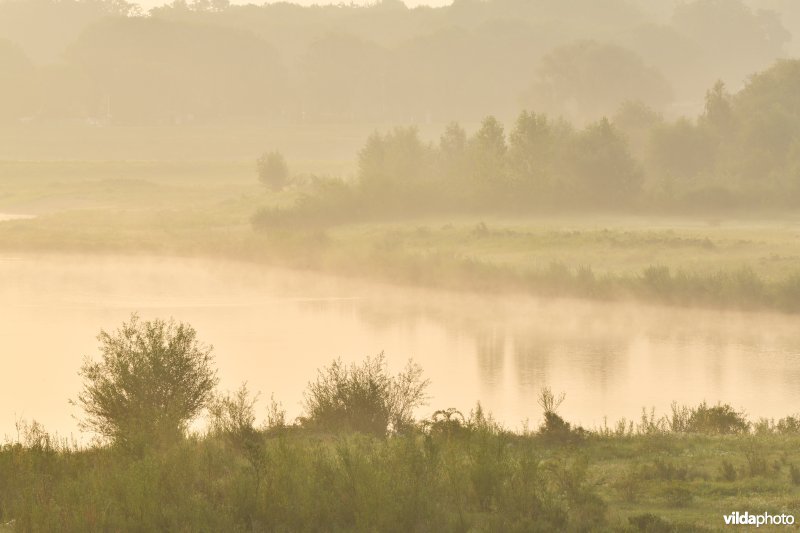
{"type": "Point", "coordinates": [446, 473]}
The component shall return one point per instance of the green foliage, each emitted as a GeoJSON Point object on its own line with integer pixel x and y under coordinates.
{"type": "Point", "coordinates": [720, 419]}
{"type": "Point", "coordinates": [153, 378]}
{"type": "Point", "coordinates": [756, 460]}
{"type": "Point", "coordinates": [233, 414]}
{"type": "Point", "coordinates": [554, 427]}
{"type": "Point", "coordinates": [445, 474]}
{"type": "Point", "coordinates": [448, 421]}
{"type": "Point", "coordinates": [412, 482]}
{"type": "Point", "coordinates": [365, 398]}
{"type": "Point", "coordinates": [789, 425]}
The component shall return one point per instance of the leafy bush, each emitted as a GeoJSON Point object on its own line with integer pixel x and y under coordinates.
{"type": "Point", "coordinates": [448, 422]}
{"type": "Point", "coordinates": [154, 377]}
{"type": "Point", "coordinates": [720, 419]}
{"type": "Point", "coordinates": [365, 397]}
{"type": "Point", "coordinates": [789, 425]}
{"type": "Point", "coordinates": [233, 413]}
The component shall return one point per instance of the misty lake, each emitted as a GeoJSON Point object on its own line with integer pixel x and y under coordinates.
{"type": "Point", "coordinates": [274, 328]}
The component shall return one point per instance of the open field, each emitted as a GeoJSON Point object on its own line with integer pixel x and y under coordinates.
{"type": "Point", "coordinates": [609, 244]}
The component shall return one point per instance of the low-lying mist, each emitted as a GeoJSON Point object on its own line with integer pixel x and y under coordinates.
{"type": "Point", "coordinates": [274, 329]}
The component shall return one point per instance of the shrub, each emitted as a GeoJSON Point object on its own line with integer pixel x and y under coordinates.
{"type": "Point", "coordinates": [154, 377]}
{"type": "Point", "coordinates": [789, 425]}
{"type": "Point", "coordinates": [447, 422]}
{"type": "Point", "coordinates": [233, 414]}
{"type": "Point", "coordinates": [678, 496]}
{"type": "Point", "coordinates": [678, 421]}
{"type": "Point", "coordinates": [329, 202]}
{"type": "Point", "coordinates": [555, 427]}
{"type": "Point", "coordinates": [721, 419]}
{"type": "Point", "coordinates": [276, 414]}
{"type": "Point", "coordinates": [365, 397]}
{"type": "Point", "coordinates": [757, 464]}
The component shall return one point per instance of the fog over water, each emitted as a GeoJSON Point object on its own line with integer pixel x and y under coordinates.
{"type": "Point", "coordinates": [274, 329]}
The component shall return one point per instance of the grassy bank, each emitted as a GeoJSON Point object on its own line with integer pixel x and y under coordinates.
{"type": "Point", "coordinates": [444, 474]}
{"type": "Point", "coordinates": [750, 265]}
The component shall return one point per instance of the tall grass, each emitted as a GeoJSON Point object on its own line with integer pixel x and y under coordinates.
{"type": "Point", "coordinates": [449, 472]}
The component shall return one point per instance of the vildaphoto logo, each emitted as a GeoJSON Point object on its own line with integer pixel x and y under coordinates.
{"type": "Point", "coordinates": [758, 520]}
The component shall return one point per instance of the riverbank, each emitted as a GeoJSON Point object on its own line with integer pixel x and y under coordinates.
{"type": "Point", "coordinates": [447, 474]}
{"type": "Point", "coordinates": [733, 260]}
{"type": "Point", "coordinates": [733, 263]}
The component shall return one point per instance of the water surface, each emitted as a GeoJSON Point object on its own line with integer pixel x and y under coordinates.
{"type": "Point", "coordinates": [274, 328]}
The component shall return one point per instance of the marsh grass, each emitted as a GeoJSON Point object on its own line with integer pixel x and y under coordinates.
{"type": "Point", "coordinates": [449, 472]}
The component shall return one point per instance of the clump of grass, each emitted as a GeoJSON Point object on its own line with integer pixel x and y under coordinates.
{"type": "Point", "coordinates": [678, 496]}
{"type": "Point", "coordinates": [756, 460]}
{"type": "Point", "coordinates": [650, 523]}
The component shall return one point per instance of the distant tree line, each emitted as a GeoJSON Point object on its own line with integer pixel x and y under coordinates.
{"type": "Point", "coordinates": [106, 61]}
{"type": "Point", "coordinates": [742, 151]}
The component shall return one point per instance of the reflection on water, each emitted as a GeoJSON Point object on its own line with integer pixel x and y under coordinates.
{"type": "Point", "coordinates": [274, 329]}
